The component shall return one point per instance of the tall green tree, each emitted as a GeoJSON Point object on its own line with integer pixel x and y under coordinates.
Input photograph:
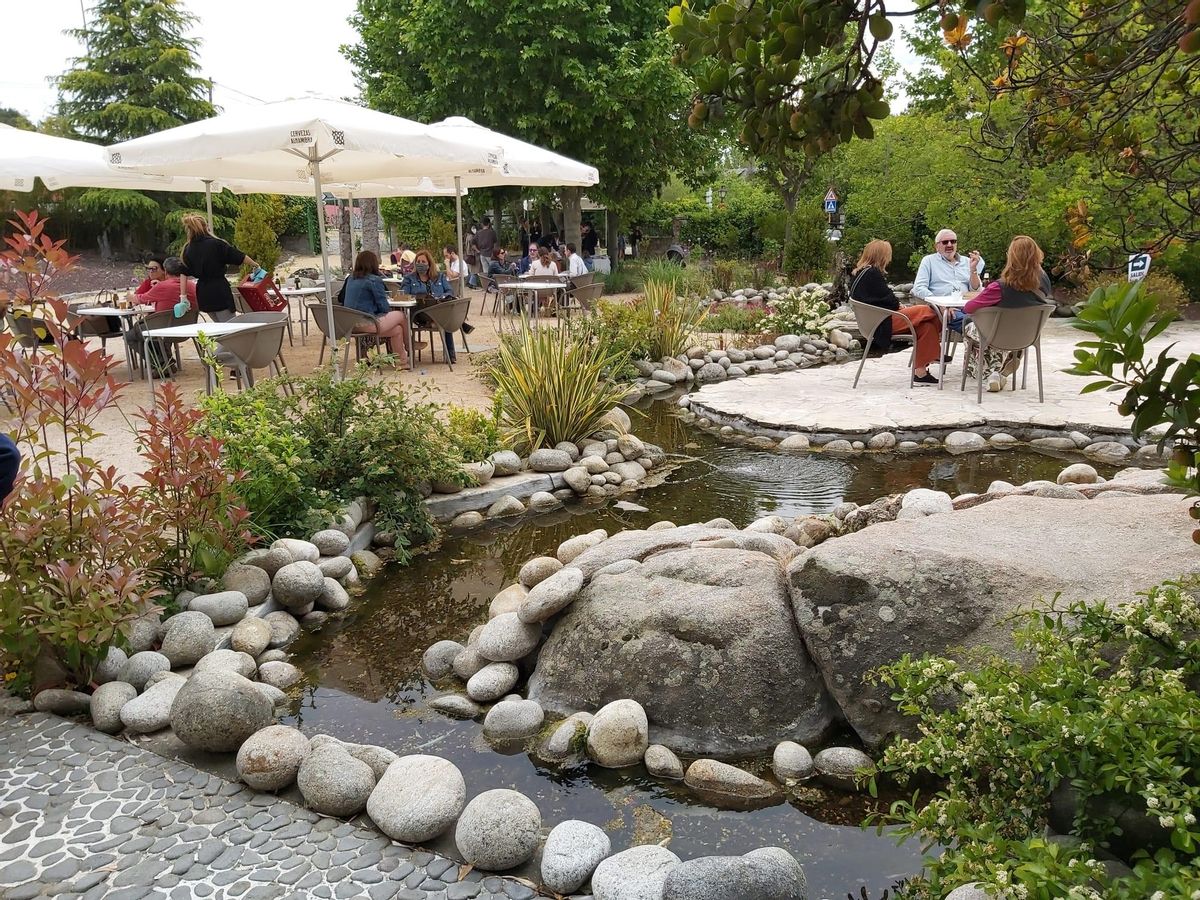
{"type": "Point", "coordinates": [593, 83]}
{"type": "Point", "coordinates": [15, 118]}
{"type": "Point", "coordinates": [137, 73]}
{"type": "Point", "coordinates": [1119, 81]}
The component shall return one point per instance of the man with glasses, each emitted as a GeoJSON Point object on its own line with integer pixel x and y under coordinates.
{"type": "Point", "coordinates": [947, 272]}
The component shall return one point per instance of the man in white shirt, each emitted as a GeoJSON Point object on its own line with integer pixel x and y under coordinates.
{"type": "Point", "coordinates": [575, 264]}
{"type": "Point", "coordinates": [946, 272]}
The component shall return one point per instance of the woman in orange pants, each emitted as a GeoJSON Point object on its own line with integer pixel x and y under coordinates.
{"type": "Point", "coordinates": [870, 286]}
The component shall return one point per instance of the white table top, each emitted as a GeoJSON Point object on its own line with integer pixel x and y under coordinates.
{"type": "Point", "coordinates": [302, 292]}
{"type": "Point", "coordinates": [212, 329]}
{"type": "Point", "coordinates": [401, 304]}
{"type": "Point", "coordinates": [105, 311]}
{"type": "Point", "coordinates": [953, 301]}
{"type": "Point", "coordinates": [531, 286]}
{"type": "Point", "coordinates": [528, 276]}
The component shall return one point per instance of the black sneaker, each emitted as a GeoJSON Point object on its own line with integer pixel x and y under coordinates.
{"type": "Point", "coordinates": [925, 379]}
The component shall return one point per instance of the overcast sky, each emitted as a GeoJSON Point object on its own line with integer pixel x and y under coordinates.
{"type": "Point", "coordinates": [252, 49]}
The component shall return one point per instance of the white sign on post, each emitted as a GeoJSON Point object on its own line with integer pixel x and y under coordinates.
{"type": "Point", "coordinates": [1139, 265]}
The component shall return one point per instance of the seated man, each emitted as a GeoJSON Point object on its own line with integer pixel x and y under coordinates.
{"type": "Point", "coordinates": [946, 272]}
{"type": "Point", "coordinates": [528, 259]}
{"type": "Point", "coordinates": [574, 262]}
{"type": "Point", "coordinates": [163, 296]}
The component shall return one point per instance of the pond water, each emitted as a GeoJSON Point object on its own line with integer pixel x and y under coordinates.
{"type": "Point", "coordinates": [364, 680]}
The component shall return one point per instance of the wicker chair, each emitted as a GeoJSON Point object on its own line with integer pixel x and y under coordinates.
{"type": "Point", "coordinates": [444, 318]}
{"type": "Point", "coordinates": [347, 323]}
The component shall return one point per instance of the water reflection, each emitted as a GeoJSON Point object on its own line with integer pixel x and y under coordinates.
{"type": "Point", "coordinates": [364, 681]}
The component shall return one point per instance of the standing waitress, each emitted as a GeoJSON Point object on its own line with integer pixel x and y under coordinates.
{"type": "Point", "coordinates": [205, 258]}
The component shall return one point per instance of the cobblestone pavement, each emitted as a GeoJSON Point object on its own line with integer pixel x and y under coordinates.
{"type": "Point", "coordinates": [84, 814]}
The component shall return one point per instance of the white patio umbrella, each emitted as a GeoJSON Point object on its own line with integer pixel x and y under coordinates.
{"type": "Point", "coordinates": [524, 164]}
{"type": "Point", "coordinates": [306, 141]}
{"type": "Point", "coordinates": [61, 163]}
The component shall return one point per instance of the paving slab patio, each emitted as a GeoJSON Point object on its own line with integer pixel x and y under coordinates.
{"type": "Point", "coordinates": [821, 400]}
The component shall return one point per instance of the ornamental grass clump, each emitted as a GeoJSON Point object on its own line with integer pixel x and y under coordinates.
{"type": "Point", "coordinates": [671, 319]}
{"type": "Point", "coordinates": [1104, 718]}
{"type": "Point", "coordinates": [552, 386]}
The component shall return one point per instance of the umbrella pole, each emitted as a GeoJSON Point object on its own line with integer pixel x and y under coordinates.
{"type": "Point", "coordinates": [324, 255]}
{"type": "Point", "coordinates": [208, 201]}
{"type": "Point", "coordinates": [458, 222]}
{"type": "Point", "coordinates": [350, 213]}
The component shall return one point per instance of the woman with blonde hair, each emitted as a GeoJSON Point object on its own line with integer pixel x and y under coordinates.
{"type": "Point", "coordinates": [205, 258]}
{"type": "Point", "coordinates": [870, 286]}
{"type": "Point", "coordinates": [1022, 283]}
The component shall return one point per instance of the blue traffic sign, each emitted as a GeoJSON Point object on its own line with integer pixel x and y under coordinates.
{"type": "Point", "coordinates": [831, 206]}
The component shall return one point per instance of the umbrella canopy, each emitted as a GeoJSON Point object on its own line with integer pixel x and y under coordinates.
{"type": "Point", "coordinates": [523, 163]}
{"type": "Point", "coordinates": [61, 163]}
{"type": "Point", "coordinates": [306, 141]}
{"type": "Point", "coordinates": [399, 187]}
{"type": "Point", "coordinates": [276, 141]}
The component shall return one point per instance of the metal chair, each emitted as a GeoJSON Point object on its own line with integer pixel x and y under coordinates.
{"type": "Point", "coordinates": [582, 297]}
{"type": "Point", "coordinates": [346, 322]}
{"type": "Point", "coordinates": [869, 318]}
{"type": "Point", "coordinates": [583, 280]}
{"type": "Point", "coordinates": [446, 317]}
{"type": "Point", "coordinates": [25, 329]}
{"type": "Point", "coordinates": [163, 319]}
{"type": "Point", "coordinates": [254, 348]}
{"type": "Point", "coordinates": [1011, 330]}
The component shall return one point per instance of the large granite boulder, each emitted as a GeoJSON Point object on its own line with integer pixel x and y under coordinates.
{"type": "Point", "coordinates": [704, 640]}
{"type": "Point", "coordinates": [942, 583]}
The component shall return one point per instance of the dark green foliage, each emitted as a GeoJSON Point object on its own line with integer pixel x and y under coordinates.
{"type": "Point", "coordinates": [254, 234]}
{"type": "Point", "coordinates": [137, 74]}
{"type": "Point", "coordinates": [332, 441]}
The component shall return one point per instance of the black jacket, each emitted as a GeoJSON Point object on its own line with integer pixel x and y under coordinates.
{"type": "Point", "coordinates": [205, 258]}
{"type": "Point", "coordinates": [870, 286]}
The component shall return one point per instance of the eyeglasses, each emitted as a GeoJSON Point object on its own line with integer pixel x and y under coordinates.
{"type": "Point", "coordinates": [950, 242]}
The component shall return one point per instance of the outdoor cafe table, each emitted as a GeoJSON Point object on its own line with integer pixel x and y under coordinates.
{"type": "Point", "coordinates": [301, 293]}
{"type": "Point", "coordinates": [125, 316]}
{"type": "Point", "coordinates": [406, 307]}
{"type": "Point", "coordinates": [194, 331]}
{"type": "Point", "coordinates": [531, 285]}
{"type": "Point", "coordinates": [943, 306]}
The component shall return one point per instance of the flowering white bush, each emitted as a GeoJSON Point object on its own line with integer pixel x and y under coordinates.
{"type": "Point", "coordinates": [798, 312]}
{"type": "Point", "coordinates": [1108, 705]}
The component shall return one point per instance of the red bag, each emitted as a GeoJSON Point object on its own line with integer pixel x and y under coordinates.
{"type": "Point", "coordinates": [262, 296]}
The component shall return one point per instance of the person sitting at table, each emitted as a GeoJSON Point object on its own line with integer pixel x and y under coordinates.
{"type": "Point", "coordinates": [163, 296]}
{"type": "Point", "coordinates": [501, 265]}
{"type": "Point", "coordinates": [1022, 283]}
{"type": "Point", "coordinates": [407, 257]}
{"type": "Point", "coordinates": [206, 258]}
{"type": "Point", "coordinates": [575, 264]}
{"type": "Point", "coordinates": [528, 259]}
{"type": "Point", "coordinates": [455, 266]}
{"type": "Point", "coordinates": [154, 274]}
{"type": "Point", "coordinates": [870, 286]}
{"type": "Point", "coordinates": [544, 264]}
{"type": "Point", "coordinates": [945, 272]}
{"type": "Point", "coordinates": [430, 287]}
{"type": "Point", "coordinates": [365, 292]}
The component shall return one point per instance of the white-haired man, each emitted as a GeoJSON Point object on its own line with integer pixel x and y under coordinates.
{"type": "Point", "coordinates": [947, 272]}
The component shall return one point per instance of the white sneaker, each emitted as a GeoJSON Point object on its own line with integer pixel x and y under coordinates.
{"type": "Point", "coordinates": [995, 383]}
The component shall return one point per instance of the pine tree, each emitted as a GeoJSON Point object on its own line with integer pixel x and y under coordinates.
{"type": "Point", "coordinates": [137, 74]}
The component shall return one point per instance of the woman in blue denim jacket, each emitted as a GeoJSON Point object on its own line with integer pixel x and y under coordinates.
{"type": "Point", "coordinates": [429, 286]}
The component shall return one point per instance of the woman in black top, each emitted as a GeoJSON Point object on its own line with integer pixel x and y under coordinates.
{"type": "Point", "coordinates": [869, 285]}
{"type": "Point", "coordinates": [205, 258]}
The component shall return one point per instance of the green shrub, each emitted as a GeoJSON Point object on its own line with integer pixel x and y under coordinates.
{"type": "Point", "coordinates": [741, 320]}
{"type": "Point", "coordinates": [620, 325]}
{"type": "Point", "coordinates": [330, 441]}
{"type": "Point", "coordinates": [1169, 292]}
{"type": "Point", "coordinates": [1183, 261]}
{"type": "Point", "coordinates": [552, 385]}
{"type": "Point", "coordinates": [623, 280]}
{"type": "Point", "coordinates": [1162, 393]}
{"type": "Point", "coordinates": [474, 433]}
{"type": "Point", "coordinates": [254, 236]}
{"type": "Point", "coordinates": [799, 312]}
{"type": "Point", "coordinates": [441, 234]}
{"type": "Point", "coordinates": [1105, 702]}
{"type": "Point", "coordinates": [723, 273]}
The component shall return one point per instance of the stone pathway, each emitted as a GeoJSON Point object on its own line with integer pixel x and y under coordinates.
{"type": "Point", "coordinates": [83, 814]}
{"type": "Point", "coordinates": [821, 400]}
